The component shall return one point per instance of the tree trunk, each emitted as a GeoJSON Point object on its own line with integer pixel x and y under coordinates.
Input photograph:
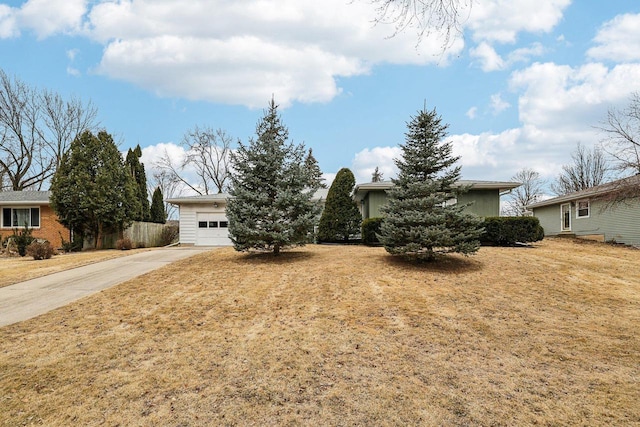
{"type": "Point", "coordinates": [98, 244]}
{"type": "Point", "coordinates": [276, 250]}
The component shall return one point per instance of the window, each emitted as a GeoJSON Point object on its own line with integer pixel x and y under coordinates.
{"type": "Point", "coordinates": [213, 224]}
{"type": "Point", "coordinates": [202, 224]}
{"type": "Point", "coordinates": [582, 210]}
{"type": "Point", "coordinates": [19, 217]}
{"type": "Point", "coordinates": [224, 224]}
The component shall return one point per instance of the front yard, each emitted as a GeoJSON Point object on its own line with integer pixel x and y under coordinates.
{"type": "Point", "coordinates": [333, 335]}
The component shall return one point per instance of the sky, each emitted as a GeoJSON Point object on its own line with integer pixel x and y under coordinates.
{"type": "Point", "coordinates": [520, 86]}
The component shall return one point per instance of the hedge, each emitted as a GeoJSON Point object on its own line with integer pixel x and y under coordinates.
{"type": "Point", "coordinates": [370, 229]}
{"type": "Point", "coordinates": [509, 230]}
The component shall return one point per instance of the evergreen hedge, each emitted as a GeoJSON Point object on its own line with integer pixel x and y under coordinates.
{"type": "Point", "coordinates": [370, 230]}
{"type": "Point", "coordinates": [507, 230]}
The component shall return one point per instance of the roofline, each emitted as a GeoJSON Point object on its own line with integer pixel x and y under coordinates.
{"type": "Point", "coordinates": [501, 186]}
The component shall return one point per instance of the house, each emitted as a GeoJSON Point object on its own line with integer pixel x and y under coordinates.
{"type": "Point", "coordinates": [203, 219]}
{"type": "Point", "coordinates": [484, 196]}
{"type": "Point", "coordinates": [590, 214]}
{"type": "Point", "coordinates": [31, 208]}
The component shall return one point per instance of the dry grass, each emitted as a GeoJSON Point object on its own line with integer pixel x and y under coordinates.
{"type": "Point", "coordinates": [331, 335]}
{"type": "Point", "coordinates": [17, 269]}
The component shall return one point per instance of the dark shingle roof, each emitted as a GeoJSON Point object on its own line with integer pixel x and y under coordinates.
{"type": "Point", "coordinates": [24, 197]}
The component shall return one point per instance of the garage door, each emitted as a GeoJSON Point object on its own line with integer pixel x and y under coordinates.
{"type": "Point", "coordinates": [212, 229]}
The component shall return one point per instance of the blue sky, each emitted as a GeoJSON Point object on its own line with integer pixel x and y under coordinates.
{"type": "Point", "coordinates": [525, 82]}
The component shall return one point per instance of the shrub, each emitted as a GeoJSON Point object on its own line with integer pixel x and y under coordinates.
{"type": "Point", "coordinates": [124, 244]}
{"type": "Point", "coordinates": [40, 250]}
{"type": "Point", "coordinates": [75, 246]}
{"type": "Point", "coordinates": [370, 230]}
{"type": "Point", "coordinates": [169, 235]}
{"type": "Point", "coordinates": [22, 239]}
{"type": "Point", "coordinates": [506, 231]}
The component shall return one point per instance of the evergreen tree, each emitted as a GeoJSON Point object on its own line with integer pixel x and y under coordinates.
{"type": "Point", "coordinates": [157, 212]}
{"type": "Point", "coordinates": [341, 217]}
{"type": "Point", "coordinates": [420, 220]}
{"type": "Point", "coordinates": [271, 207]}
{"type": "Point", "coordinates": [92, 191]}
{"type": "Point", "coordinates": [136, 168]}
{"type": "Point", "coordinates": [312, 168]}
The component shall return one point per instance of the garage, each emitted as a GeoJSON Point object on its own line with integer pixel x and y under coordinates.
{"type": "Point", "coordinates": [212, 229]}
{"type": "Point", "coordinates": [203, 220]}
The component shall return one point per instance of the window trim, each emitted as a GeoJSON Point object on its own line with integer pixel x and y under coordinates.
{"type": "Point", "coordinates": [578, 216]}
{"type": "Point", "coordinates": [11, 215]}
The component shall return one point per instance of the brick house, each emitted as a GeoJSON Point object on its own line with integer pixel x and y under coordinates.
{"type": "Point", "coordinates": [32, 208]}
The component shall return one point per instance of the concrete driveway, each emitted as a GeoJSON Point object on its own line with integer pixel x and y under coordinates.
{"type": "Point", "coordinates": [34, 297]}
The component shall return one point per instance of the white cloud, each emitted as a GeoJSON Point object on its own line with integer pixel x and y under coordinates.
{"type": "Point", "coordinates": [498, 105]}
{"type": "Point", "coordinates": [366, 161]}
{"type": "Point", "coordinates": [48, 17]}
{"type": "Point", "coordinates": [618, 39]}
{"type": "Point", "coordinates": [472, 112]}
{"type": "Point", "coordinates": [8, 25]}
{"type": "Point", "coordinates": [501, 20]}
{"type": "Point", "coordinates": [489, 58]}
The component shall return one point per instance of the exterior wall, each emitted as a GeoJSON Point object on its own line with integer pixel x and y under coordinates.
{"type": "Point", "coordinates": [484, 202]}
{"type": "Point", "coordinates": [621, 223]}
{"type": "Point", "coordinates": [50, 229]}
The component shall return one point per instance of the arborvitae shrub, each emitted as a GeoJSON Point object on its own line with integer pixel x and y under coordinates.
{"type": "Point", "coordinates": [40, 250]}
{"type": "Point", "coordinates": [22, 239]}
{"type": "Point", "coordinates": [507, 230]}
{"type": "Point", "coordinates": [370, 229]}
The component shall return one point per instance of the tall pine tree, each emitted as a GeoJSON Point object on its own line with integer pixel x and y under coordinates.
{"type": "Point", "coordinates": [421, 218]}
{"type": "Point", "coordinates": [271, 188]}
{"type": "Point", "coordinates": [157, 213]}
{"type": "Point", "coordinates": [92, 191]}
{"type": "Point", "coordinates": [137, 171]}
{"type": "Point", "coordinates": [341, 217]}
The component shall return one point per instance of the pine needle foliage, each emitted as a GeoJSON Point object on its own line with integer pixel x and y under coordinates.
{"type": "Point", "coordinates": [341, 217]}
{"type": "Point", "coordinates": [421, 218]}
{"type": "Point", "coordinates": [157, 211]}
{"type": "Point", "coordinates": [272, 186]}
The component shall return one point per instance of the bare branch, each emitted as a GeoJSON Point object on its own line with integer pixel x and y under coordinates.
{"type": "Point", "coordinates": [621, 139]}
{"type": "Point", "coordinates": [530, 191]}
{"type": "Point", "coordinates": [588, 169]}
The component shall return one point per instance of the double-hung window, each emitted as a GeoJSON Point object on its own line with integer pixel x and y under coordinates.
{"type": "Point", "coordinates": [582, 209]}
{"type": "Point", "coordinates": [19, 217]}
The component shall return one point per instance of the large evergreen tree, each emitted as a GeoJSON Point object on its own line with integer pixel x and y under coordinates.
{"type": "Point", "coordinates": [157, 212]}
{"type": "Point", "coordinates": [136, 168]}
{"type": "Point", "coordinates": [341, 217]}
{"type": "Point", "coordinates": [92, 191]}
{"type": "Point", "coordinates": [271, 206]}
{"type": "Point", "coordinates": [421, 218]}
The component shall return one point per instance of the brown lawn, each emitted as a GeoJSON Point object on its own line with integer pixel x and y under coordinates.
{"type": "Point", "coordinates": [333, 335]}
{"type": "Point", "coordinates": [16, 269]}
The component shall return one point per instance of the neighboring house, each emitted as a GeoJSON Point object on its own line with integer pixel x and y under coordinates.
{"type": "Point", "coordinates": [589, 214]}
{"type": "Point", "coordinates": [31, 208]}
{"type": "Point", "coordinates": [484, 196]}
{"type": "Point", "coordinates": [203, 219]}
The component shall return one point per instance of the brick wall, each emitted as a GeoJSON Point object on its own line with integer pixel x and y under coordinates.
{"type": "Point", "coordinates": [50, 229]}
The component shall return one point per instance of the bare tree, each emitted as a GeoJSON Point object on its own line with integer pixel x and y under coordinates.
{"type": "Point", "coordinates": [588, 169]}
{"type": "Point", "coordinates": [442, 16]}
{"type": "Point", "coordinates": [170, 187]}
{"type": "Point", "coordinates": [530, 191]}
{"type": "Point", "coordinates": [35, 129]}
{"type": "Point", "coordinates": [622, 136]}
{"type": "Point", "coordinates": [377, 176]}
{"type": "Point", "coordinates": [207, 157]}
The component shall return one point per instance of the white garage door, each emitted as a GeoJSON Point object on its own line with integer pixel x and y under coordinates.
{"type": "Point", "coordinates": [212, 229]}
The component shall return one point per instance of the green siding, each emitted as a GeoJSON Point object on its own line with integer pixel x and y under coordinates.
{"type": "Point", "coordinates": [621, 224]}
{"type": "Point", "coordinates": [483, 202]}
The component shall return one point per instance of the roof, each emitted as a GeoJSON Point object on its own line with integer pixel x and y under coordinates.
{"type": "Point", "coordinates": [361, 190]}
{"type": "Point", "coordinates": [222, 197]}
{"type": "Point", "coordinates": [598, 190]}
{"type": "Point", "coordinates": [24, 197]}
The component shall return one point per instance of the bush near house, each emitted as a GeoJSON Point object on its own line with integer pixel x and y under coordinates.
{"type": "Point", "coordinates": [40, 250]}
{"type": "Point", "coordinates": [370, 230]}
{"type": "Point", "coordinates": [22, 239]}
{"type": "Point", "coordinates": [506, 231]}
